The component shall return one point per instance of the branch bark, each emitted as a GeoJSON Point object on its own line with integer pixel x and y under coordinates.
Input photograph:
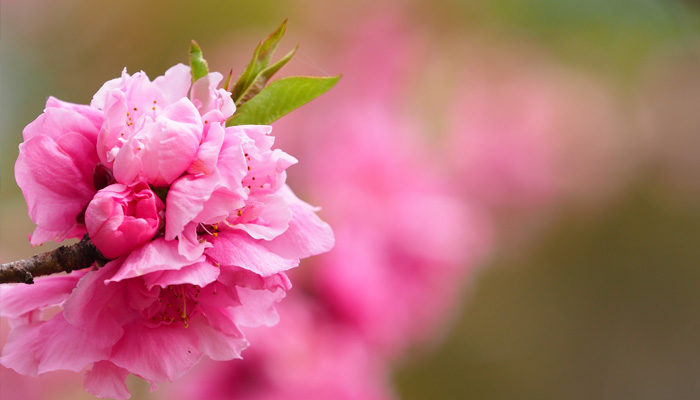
{"type": "Point", "coordinates": [64, 259]}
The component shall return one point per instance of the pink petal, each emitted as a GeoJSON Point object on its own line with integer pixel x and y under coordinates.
{"type": "Point", "coordinates": [169, 153]}
{"type": "Point", "coordinates": [188, 244]}
{"type": "Point", "coordinates": [257, 307]}
{"type": "Point", "coordinates": [307, 234]}
{"type": "Point", "coordinates": [270, 217]}
{"type": "Point", "coordinates": [41, 235]}
{"type": "Point", "coordinates": [218, 207]}
{"type": "Point", "coordinates": [99, 99]}
{"type": "Point", "coordinates": [93, 114]}
{"type": "Point", "coordinates": [185, 200]}
{"type": "Point", "coordinates": [157, 354]}
{"type": "Point", "coordinates": [55, 122]}
{"type": "Point", "coordinates": [232, 164]}
{"type": "Point", "coordinates": [157, 255]}
{"type": "Point", "coordinates": [208, 152]}
{"type": "Point", "coordinates": [238, 249]}
{"type": "Point", "coordinates": [110, 134]}
{"type": "Point", "coordinates": [53, 345]}
{"type": "Point", "coordinates": [98, 308]}
{"type": "Point", "coordinates": [200, 274]}
{"type": "Point", "coordinates": [175, 83]}
{"type": "Point", "coordinates": [56, 185]}
{"type": "Point", "coordinates": [18, 352]}
{"type": "Point", "coordinates": [106, 380]}
{"type": "Point", "coordinates": [216, 344]}
{"type": "Point", "coordinates": [48, 291]}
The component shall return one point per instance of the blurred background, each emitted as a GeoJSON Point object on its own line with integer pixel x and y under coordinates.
{"type": "Point", "coordinates": [570, 128]}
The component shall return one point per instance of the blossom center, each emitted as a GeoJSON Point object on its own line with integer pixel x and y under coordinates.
{"type": "Point", "coordinates": [177, 303]}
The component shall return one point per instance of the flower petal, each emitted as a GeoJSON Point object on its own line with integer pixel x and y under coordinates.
{"type": "Point", "coordinates": [53, 345]}
{"type": "Point", "coordinates": [157, 354]}
{"type": "Point", "coordinates": [47, 291]}
{"type": "Point", "coordinates": [106, 380]}
{"type": "Point", "coordinates": [157, 255]}
{"type": "Point", "coordinates": [57, 181]}
{"type": "Point", "coordinates": [307, 234]}
{"type": "Point", "coordinates": [200, 274]}
{"type": "Point", "coordinates": [216, 344]}
{"type": "Point", "coordinates": [239, 249]}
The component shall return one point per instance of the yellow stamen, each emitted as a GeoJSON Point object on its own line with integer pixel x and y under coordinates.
{"type": "Point", "coordinates": [184, 304]}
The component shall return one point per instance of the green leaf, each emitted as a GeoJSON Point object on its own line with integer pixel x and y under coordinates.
{"type": "Point", "coordinates": [228, 80]}
{"type": "Point", "coordinates": [261, 58]}
{"type": "Point", "coordinates": [264, 76]}
{"type": "Point", "coordinates": [280, 98]}
{"type": "Point", "coordinates": [197, 62]}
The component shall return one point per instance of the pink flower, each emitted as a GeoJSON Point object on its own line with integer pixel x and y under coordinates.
{"type": "Point", "coordinates": [152, 130]}
{"type": "Point", "coordinates": [57, 169]}
{"type": "Point", "coordinates": [120, 218]}
{"type": "Point", "coordinates": [507, 162]}
{"type": "Point", "coordinates": [169, 296]}
{"type": "Point", "coordinates": [236, 182]}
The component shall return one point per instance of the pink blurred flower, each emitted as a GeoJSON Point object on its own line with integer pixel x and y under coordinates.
{"type": "Point", "coordinates": [171, 296]}
{"type": "Point", "coordinates": [56, 169]}
{"type": "Point", "coordinates": [526, 134]}
{"type": "Point", "coordinates": [504, 141]}
{"type": "Point", "coordinates": [406, 240]}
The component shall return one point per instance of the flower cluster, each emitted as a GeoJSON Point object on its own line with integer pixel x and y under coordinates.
{"type": "Point", "coordinates": [195, 217]}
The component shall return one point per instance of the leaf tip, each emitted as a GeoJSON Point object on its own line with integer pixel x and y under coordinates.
{"type": "Point", "coordinates": [197, 62]}
{"type": "Point", "coordinates": [194, 47]}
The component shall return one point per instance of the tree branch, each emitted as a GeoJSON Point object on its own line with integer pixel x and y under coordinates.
{"type": "Point", "coordinates": [64, 259]}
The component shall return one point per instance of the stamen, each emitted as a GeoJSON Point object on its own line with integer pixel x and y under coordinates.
{"type": "Point", "coordinates": [184, 304]}
{"type": "Point", "coordinates": [205, 229]}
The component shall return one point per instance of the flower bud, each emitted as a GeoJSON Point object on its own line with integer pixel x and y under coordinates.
{"type": "Point", "coordinates": [120, 218]}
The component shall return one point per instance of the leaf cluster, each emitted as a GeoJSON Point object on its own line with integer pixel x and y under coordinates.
{"type": "Point", "coordinates": [258, 103]}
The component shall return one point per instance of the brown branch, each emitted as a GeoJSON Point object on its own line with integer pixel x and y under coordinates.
{"type": "Point", "coordinates": [64, 259]}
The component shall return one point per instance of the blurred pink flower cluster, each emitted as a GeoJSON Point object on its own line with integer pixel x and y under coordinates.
{"type": "Point", "coordinates": [195, 217]}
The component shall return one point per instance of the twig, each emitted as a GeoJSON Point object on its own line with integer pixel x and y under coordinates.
{"type": "Point", "coordinates": [64, 259]}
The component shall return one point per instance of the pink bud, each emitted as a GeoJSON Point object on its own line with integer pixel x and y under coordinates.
{"type": "Point", "coordinates": [120, 218]}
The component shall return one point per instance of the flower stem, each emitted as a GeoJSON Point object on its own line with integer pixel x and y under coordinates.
{"type": "Point", "coordinates": [64, 259]}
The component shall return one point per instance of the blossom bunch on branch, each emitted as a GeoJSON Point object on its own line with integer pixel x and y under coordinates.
{"type": "Point", "coordinates": [176, 184]}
